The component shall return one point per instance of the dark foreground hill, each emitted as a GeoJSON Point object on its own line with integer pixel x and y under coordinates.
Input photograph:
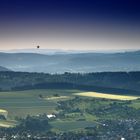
{"type": "Point", "coordinates": [82, 62]}
{"type": "Point", "coordinates": [113, 82]}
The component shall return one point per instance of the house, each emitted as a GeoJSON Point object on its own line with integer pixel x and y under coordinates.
{"type": "Point", "coordinates": [51, 116]}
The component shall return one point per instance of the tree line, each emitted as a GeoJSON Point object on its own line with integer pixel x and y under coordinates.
{"type": "Point", "coordinates": [125, 82]}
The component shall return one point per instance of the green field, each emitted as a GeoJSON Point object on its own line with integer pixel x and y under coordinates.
{"type": "Point", "coordinates": [23, 103]}
{"type": "Point", "coordinates": [72, 125]}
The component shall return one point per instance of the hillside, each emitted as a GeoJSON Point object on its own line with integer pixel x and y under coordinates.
{"type": "Point", "coordinates": [82, 62]}
{"type": "Point", "coordinates": [3, 69]}
{"type": "Point", "coordinates": [113, 82]}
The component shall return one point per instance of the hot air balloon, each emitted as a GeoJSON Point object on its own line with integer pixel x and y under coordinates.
{"type": "Point", "coordinates": [38, 47]}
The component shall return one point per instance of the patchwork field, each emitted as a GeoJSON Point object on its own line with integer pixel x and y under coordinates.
{"type": "Point", "coordinates": [107, 96]}
{"type": "Point", "coordinates": [34, 102]}
{"type": "Point", "coordinates": [22, 103]}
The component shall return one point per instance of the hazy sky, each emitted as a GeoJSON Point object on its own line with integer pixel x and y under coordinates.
{"type": "Point", "coordinates": [70, 24]}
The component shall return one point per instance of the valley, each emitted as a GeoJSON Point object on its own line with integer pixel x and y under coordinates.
{"type": "Point", "coordinates": [69, 105]}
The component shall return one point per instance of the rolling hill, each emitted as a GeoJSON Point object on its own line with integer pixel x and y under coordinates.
{"type": "Point", "coordinates": [80, 62]}
{"type": "Point", "coordinates": [4, 69]}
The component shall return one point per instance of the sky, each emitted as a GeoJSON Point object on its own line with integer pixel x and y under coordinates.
{"type": "Point", "coordinates": [70, 24]}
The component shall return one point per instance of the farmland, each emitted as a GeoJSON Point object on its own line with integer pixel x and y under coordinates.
{"type": "Point", "coordinates": [76, 110]}
{"type": "Point", "coordinates": [28, 102]}
{"type": "Point", "coordinates": [22, 103]}
{"type": "Point", "coordinates": [107, 96]}
{"type": "Point", "coordinates": [74, 107]}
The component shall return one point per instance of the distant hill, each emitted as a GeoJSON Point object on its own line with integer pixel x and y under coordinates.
{"type": "Point", "coordinates": [80, 62]}
{"type": "Point", "coordinates": [4, 69]}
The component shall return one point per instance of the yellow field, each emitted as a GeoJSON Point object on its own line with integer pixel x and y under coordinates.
{"type": "Point", "coordinates": [7, 124]}
{"type": "Point", "coordinates": [56, 98]}
{"type": "Point", "coordinates": [107, 96]}
{"type": "Point", "coordinates": [3, 111]}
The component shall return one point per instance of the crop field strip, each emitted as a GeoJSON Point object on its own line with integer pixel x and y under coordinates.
{"type": "Point", "coordinates": [107, 96]}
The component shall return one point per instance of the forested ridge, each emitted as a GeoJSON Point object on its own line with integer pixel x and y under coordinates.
{"type": "Point", "coordinates": [125, 82]}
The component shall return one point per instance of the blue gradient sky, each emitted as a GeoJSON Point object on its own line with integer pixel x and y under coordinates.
{"type": "Point", "coordinates": [70, 24]}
